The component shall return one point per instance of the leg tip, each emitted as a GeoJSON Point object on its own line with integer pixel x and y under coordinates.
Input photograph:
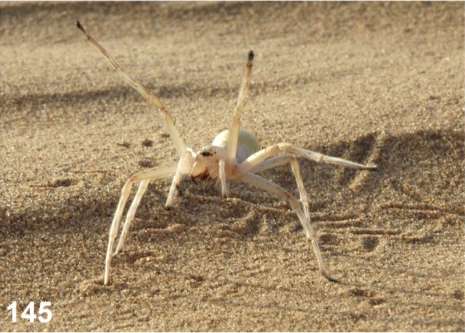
{"type": "Point", "coordinates": [329, 277]}
{"type": "Point", "coordinates": [251, 55]}
{"type": "Point", "coordinates": [371, 166]}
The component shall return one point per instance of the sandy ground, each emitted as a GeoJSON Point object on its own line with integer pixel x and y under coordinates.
{"type": "Point", "coordinates": [377, 82]}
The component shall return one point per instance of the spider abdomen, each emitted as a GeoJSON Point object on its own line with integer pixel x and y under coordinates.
{"type": "Point", "coordinates": [247, 143]}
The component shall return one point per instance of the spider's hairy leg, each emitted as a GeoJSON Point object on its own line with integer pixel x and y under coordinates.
{"type": "Point", "coordinates": [283, 160]}
{"type": "Point", "coordinates": [222, 176]}
{"type": "Point", "coordinates": [295, 167]}
{"type": "Point", "coordinates": [182, 169]}
{"type": "Point", "coordinates": [285, 149]}
{"type": "Point", "coordinates": [271, 163]}
{"type": "Point", "coordinates": [309, 230]}
{"type": "Point", "coordinates": [149, 98]}
{"type": "Point", "coordinates": [174, 190]}
{"type": "Point", "coordinates": [233, 131]}
{"type": "Point", "coordinates": [143, 177]}
{"type": "Point", "coordinates": [278, 191]}
{"type": "Point", "coordinates": [131, 214]}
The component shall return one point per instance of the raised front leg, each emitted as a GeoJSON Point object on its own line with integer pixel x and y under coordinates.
{"type": "Point", "coordinates": [150, 98]}
{"type": "Point", "coordinates": [233, 132]}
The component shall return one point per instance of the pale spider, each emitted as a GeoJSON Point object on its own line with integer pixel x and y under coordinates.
{"type": "Point", "coordinates": [233, 155]}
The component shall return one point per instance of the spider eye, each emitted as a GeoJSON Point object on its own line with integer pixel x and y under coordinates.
{"type": "Point", "coordinates": [206, 153]}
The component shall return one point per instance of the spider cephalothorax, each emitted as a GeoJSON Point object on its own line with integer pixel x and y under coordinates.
{"type": "Point", "coordinates": [205, 163]}
{"type": "Point", "coordinates": [234, 155]}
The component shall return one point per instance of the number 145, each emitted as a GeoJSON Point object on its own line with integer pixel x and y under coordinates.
{"type": "Point", "coordinates": [44, 314]}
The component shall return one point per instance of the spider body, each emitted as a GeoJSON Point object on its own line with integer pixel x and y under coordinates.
{"type": "Point", "coordinates": [247, 143]}
{"type": "Point", "coordinates": [233, 155]}
{"type": "Point", "coordinates": [206, 161]}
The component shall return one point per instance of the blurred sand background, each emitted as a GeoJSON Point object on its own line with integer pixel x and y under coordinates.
{"type": "Point", "coordinates": [375, 82]}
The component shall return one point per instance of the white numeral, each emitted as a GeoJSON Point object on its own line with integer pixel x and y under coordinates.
{"type": "Point", "coordinates": [12, 308]}
{"type": "Point", "coordinates": [28, 313]}
{"type": "Point", "coordinates": [44, 315]}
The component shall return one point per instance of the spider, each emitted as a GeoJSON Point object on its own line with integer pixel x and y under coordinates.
{"type": "Point", "coordinates": [233, 155]}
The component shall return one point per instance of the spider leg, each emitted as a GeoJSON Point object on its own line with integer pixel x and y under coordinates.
{"type": "Point", "coordinates": [282, 160]}
{"type": "Point", "coordinates": [150, 99]}
{"type": "Point", "coordinates": [286, 149]}
{"type": "Point", "coordinates": [174, 190]}
{"type": "Point", "coordinates": [143, 177]}
{"type": "Point", "coordinates": [131, 214]}
{"type": "Point", "coordinates": [222, 176]}
{"type": "Point", "coordinates": [233, 131]}
{"type": "Point", "coordinates": [283, 153]}
{"type": "Point", "coordinates": [271, 163]}
{"type": "Point", "coordinates": [295, 167]}
{"type": "Point", "coordinates": [278, 191]}
{"type": "Point", "coordinates": [183, 168]}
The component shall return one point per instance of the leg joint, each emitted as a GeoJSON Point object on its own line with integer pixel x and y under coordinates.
{"type": "Point", "coordinates": [284, 147]}
{"type": "Point", "coordinates": [128, 185]}
{"type": "Point", "coordinates": [280, 148]}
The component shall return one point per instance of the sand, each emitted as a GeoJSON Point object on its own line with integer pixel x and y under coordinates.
{"type": "Point", "coordinates": [379, 83]}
